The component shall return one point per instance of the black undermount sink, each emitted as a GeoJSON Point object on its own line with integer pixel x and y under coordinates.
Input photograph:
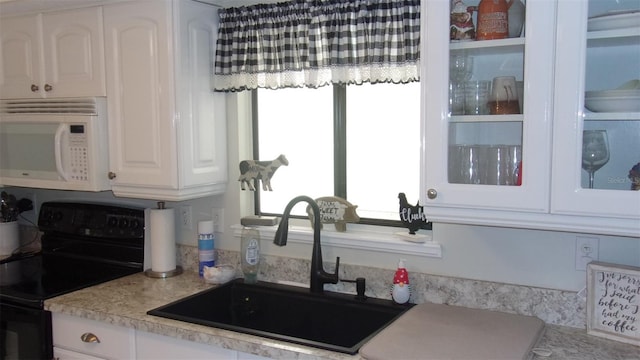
{"type": "Point", "coordinates": [332, 321]}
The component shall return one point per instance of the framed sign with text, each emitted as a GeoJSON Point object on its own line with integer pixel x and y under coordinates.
{"type": "Point", "coordinates": [613, 302]}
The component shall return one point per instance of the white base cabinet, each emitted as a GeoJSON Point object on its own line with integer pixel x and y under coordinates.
{"type": "Point", "coordinates": [80, 338]}
{"type": "Point", "coordinates": [167, 127]}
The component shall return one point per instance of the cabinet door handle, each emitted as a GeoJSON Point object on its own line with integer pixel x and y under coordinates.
{"type": "Point", "coordinates": [112, 175]}
{"type": "Point", "coordinates": [48, 87]}
{"type": "Point", "coordinates": [432, 194]}
{"type": "Point", "coordinates": [89, 338]}
{"type": "Point", "coordinates": [34, 88]}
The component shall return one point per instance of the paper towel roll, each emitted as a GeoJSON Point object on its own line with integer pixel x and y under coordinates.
{"type": "Point", "coordinates": [163, 240]}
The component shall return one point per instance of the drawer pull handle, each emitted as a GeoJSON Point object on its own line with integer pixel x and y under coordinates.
{"type": "Point", "coordinates": [89, 338]}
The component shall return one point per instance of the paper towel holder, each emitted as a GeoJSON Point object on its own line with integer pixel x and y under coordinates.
{"type": "Point", "coordinates": [163, 274]}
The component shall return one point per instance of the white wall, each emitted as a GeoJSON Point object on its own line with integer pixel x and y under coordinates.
{"type": "Point", "coordinates": [525, 257]}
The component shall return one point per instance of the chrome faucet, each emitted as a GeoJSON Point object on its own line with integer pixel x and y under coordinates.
{"type": "Point", "coordinates": [319, 277]}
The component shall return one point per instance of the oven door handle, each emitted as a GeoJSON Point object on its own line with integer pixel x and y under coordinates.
{"type": "Point", "coordinates": [58, 151]}
{"type": "Point", "coordinates": [89, 338]}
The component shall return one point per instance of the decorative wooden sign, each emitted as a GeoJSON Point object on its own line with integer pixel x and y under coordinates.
{"type": "Point", "coordinates": [335, 210]}
{"type": "Point", "coordinates": [613, 302]}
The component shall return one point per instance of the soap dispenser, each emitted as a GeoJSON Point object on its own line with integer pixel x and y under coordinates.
{"type": "Point", "coordinates": [401, 291]}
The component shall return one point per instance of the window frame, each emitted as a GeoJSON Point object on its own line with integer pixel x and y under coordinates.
{"type": "Point", "coordinates": [339, 156]}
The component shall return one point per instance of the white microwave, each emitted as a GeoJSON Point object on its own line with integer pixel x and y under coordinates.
{"type": "Point", "coordinates": [54, 144]}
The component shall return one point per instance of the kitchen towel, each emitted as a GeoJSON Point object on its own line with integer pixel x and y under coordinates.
{"type": "Point", "coordinates": [163, 240]}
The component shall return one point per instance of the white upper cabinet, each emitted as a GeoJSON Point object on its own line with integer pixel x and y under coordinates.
{"type": "Point", "coordinates": [57, 54]}
{"type": "Point", "coordinates": [516, 162]}
{"type": "Point", "coordinates": [167, 127]}
{"type": "Point", "coordinates": [597, 96]}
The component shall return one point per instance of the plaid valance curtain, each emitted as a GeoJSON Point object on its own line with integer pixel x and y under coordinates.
{"type": "Point", "coordinates": [312, 43]}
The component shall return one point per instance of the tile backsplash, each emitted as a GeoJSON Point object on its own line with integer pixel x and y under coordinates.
{"type": "Point", "coordinates": [557, 307]}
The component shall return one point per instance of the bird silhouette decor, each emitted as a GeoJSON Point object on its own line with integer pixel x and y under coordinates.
{"type": "Point", "coordinates": [412, 216]}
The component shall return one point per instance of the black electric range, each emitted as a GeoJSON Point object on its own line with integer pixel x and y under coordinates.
{"type": "Point", "coordinates": [83, 244]}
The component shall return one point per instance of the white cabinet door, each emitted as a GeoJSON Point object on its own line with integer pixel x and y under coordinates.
{"type": "Point", "coordinates": [58, 54]}
{"type": "Point", "coordinates": [167, 127]}
{"type": "Point", "coordinates": [596, 60]}
{"type": "Point", "coordinates": [142, 125]}
{"type": "Point", "coordinates": [73, 44]}
{"type": "Point", "coordinates": [74, 336]}
{"type": "Point", "coordinates": [152, 346]}
{"type": "Point", "coordinates": [202, 131]}
{"type": "Point", "coordinates": [20, 51]}
{"type": "Point", "coordinates": [452, 140]}
{"type": "Point", "coordinates": [63, 354]}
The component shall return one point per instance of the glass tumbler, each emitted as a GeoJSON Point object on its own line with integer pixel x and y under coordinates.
{"type": "Point", "coordinates": [476, 97]}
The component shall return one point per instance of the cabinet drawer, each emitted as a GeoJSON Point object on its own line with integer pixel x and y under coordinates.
{"type": "Point", "coordinates": [115, 342]}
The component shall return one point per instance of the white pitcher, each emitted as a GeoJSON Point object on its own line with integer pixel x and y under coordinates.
{"type": "Point", "coordinates": [516, 15]}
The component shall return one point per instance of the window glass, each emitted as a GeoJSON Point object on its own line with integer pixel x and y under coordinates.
{"type": "Point", "coordinates": [298, 124]}
{"type": "Point", "coordinates": [383, 147]}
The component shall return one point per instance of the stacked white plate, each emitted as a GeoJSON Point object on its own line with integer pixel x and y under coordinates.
{"type": "Point", "coordinates": [613, 101]}
{"type": "Point", "coordinates": [620, 19]}
{"type": "Point", "coordinates": [625, 98]}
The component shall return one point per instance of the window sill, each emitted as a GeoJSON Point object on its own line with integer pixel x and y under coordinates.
{"type": "Point", "coordinates": [360, 237]}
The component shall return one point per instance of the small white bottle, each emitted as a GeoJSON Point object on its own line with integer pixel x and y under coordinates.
{"type": "Point", "coordinates": [250, 254]}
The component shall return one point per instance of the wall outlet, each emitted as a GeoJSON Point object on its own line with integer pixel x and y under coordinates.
{"type": "Point", "coordinates": [217, 216]}
{"type": "Point", "coordinates": [586, 251]}
{"type": "Point", "coordinates": [185, 218]}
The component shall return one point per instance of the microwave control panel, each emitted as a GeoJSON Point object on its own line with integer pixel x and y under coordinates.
{"type": "Point", "coordinates": [78, 153]}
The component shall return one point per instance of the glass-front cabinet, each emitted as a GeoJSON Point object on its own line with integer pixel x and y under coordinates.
{"type": "Point", "coordinates": [597, 110]}
{"type": "Point", "coordinates": [509, 137]}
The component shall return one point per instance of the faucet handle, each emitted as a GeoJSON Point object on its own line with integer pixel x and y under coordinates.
{"type": "Point", "coordinates": [360, 287]}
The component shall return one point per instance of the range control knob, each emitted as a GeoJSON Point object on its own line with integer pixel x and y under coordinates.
{"type": "Point", "coordinates": [124, 223]}
{"type": "Point", "coordinates": [135, 223]}
{"type": "Point", "coordinates": [112, 222]}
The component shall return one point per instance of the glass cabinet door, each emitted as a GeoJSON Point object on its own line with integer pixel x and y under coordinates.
{"type": "Point", "coordinates": [487, 105]}
{"type": "Point", "coordinates": [597, 117]}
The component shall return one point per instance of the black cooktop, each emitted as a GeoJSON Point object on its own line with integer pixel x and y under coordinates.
{"type": "Point", "coordinates": [32, 280]}
{"type": "Point", "coordinates": [83, 245]}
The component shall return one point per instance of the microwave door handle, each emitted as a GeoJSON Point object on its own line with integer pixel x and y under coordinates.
{"type": "Point", "coordinates": [58, 151]}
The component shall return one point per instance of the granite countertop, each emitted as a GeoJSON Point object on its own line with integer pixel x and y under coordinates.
{"type": "Point", "coordinates": [125, 302]}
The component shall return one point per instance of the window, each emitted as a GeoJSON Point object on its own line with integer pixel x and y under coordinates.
{"type": "Point", "coordinates": [358, 142]}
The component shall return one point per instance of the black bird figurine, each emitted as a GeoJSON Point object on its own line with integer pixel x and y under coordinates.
{"type": "Point", "coordinates": [412, 216]}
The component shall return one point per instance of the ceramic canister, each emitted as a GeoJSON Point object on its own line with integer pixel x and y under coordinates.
{"type": "Point", "coordinates": [492, 20]}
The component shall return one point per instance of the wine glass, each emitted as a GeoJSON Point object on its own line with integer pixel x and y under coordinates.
{"type": "Point", "coordinates": [595, 151]}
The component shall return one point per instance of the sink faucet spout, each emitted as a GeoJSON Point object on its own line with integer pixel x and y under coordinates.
{"type": "Point", "coordinates": [319, 276]}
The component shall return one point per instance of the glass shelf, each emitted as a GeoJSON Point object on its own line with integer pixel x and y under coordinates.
{"type": "Point", "coordinates": [486, 118]}
{"type": "Point", "coordinates": [493, 47]}
{"type": "Point", "coordinates": [616, 37]}
{"type": "Point", "coordinates": [589, 116]}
